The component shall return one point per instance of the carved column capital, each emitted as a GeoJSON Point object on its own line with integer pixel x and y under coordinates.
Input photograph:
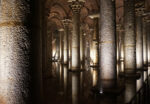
{"type": "Point", "coordinates": [66, 22]}
{"type": "Point", "coordinates": [139, 8]}
{"type": "Point", "coordinates": [76, 6]}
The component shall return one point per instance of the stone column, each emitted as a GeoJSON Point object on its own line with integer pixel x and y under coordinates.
{"type": "Point", "coordinates": [66, 45]}
{"type": "Point", "coordinates": [95, 43]}
{"type": "Point", "coordinates": [107, 43]}
{"type": "Point", "coordinates": [145, 58]}
{"type": "Point", "coordinates": [146, 21]}
{"type": "Point", "coordinates": [76, 6]}
{"type": "Point", "coordinates": [139, 10]}
{"type": "Point", "coordinates": [81, 46]}
{"type": "Point", "coordinates": [139, 35]}
{"type": "Point", "coordinates": [15, 48]}
{"type": "Point", "coordinates": [129, 37]}
{"type": "Point", "coordinates": [148, 42]}
{"type": "Point", "coordinates": [61, 43]}
{"type": "Point", "coordinates": [70, 48]}
{"type": "Point", "coordinates": [118, 41]}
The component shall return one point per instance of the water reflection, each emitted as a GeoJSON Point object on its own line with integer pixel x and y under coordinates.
{"type": "Point", "coordinates": [67, 87]}
{"type": "Point", "coordinates": [130, 89]}
{"type": "Point", "coordinates": [75, 88]}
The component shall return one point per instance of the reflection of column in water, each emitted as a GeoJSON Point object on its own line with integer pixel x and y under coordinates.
{"type": "Point", "coordinates": [148, 70]}
{"type": "Point", "coordinates": [75, 88]}
{"type": "Point", "coordinates": [65, 79]}
{"type": "Point", "coordinates": [60, 75]}
{"type": "Point", "coordinates": [145, 75]}
{"type": "Point", "coordinates": [121, 66]}
{"type": "Point", "coordinates": [94, 77]}
{"type": "Point", "coordinates": [139, 82]}
{"type": "Point", "coordinates": [130, 89]}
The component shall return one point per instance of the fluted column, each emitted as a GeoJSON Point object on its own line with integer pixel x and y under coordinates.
{"type": "Point", "coordinates": [15, 48]}
{"type": "Point", "coordinates": [129, 37]}
{"type": "Point", "coordinates": [139, 9]}
{"type": "Point", "coordinates": [107, 43]}
{"type": "Point", "coordinates": [76, 7]}
{"type": "Point", "coordinates": [66, 40]}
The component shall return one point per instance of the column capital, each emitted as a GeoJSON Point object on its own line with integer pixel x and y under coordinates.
{"type": "Point", "coordinates": [76, 5]}
{"type": "Point", "coordinates": [139, 8]}
{"type": "Point", "coordinates": [66, 22]}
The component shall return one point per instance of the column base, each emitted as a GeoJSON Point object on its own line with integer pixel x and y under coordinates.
{"type": "Point", "coordinates": [129, 75]}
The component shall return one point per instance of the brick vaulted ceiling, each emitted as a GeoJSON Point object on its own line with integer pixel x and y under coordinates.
{"type": "Point", "coordinates": [59, 10]}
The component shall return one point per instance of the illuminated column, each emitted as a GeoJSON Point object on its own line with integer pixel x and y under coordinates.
{"type": "Point", "coordinates": [148, 42]}
{"type": "Point", "coordinates": [81, 45]}
{"type": "Point", "coordinates": [107, 43]}
{"type": "Point", "coordinates": [66, 45]}
{"type": "Point", "coordinates": [61, 43]}
{"type": "Point", "coordinates": [70, 49]}
{"type": "Point", "coordinates": [129, 37]}
{"type": "Point", "coordinates": [118, 41]}
{"type": "Point", "coordinates": [95, 42]}
{"type": "Point", "coordinates": [139, 36]}
{"type": "Point", "coordinates": [145, 56]}
{"type": "Point", "coordinates": [15, 48]}
{"type": "Point", "coordinates": [76, 7]}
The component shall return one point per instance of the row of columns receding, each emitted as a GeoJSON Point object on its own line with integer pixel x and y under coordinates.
{"type": "Point", "coordinates": [111, 43]}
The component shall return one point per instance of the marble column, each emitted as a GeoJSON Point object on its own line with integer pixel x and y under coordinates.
{"type": "Point", "coordinates": [129, 37]}
{"type": "Point", "coordinates": [76, 6]}
{"type": "Point", "coordinates": [66, 45]}
{"type": "Point", "coordinates": [15, 48]}
{"type": "Point", "coordinates": [139, 37]}
{"type": "Point", "coordinates": [107, 43]}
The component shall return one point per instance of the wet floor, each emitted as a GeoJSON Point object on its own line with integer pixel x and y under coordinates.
{"type": "Point", "coordinates": [66, 87]}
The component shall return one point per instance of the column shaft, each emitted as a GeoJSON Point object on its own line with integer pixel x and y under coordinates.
{"type": "Point", "coordinates": [107, 41]}
{"type": "Point", "coordinates": [76, 42]}
{"type": "Point", "coordinates": [66, 45]}
{"type": "Point", "coordinates": [15, 47]}
{"type": "Point", "coordinates": [139, 43]}
{"type": "Point", "coordinates": [145, 43]}
{"type": "Point", "coordinates": [95, 42]}
{"type": "Point", "coordinates": [129, 36]}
